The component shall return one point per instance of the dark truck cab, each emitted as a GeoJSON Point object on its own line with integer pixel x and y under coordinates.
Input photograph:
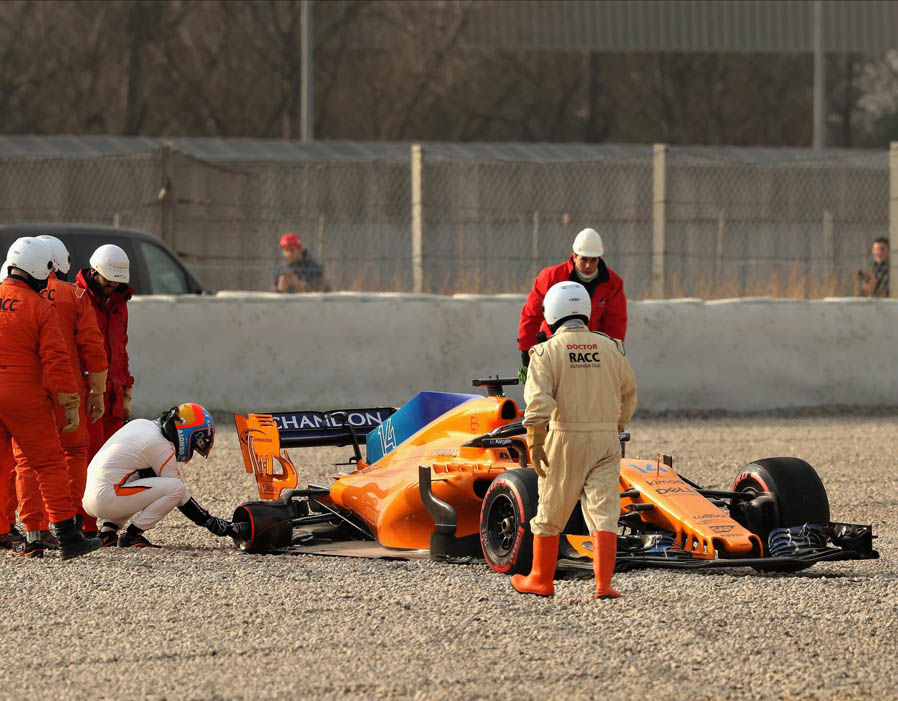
{"type": "Point", "coordinates": [155, 269]}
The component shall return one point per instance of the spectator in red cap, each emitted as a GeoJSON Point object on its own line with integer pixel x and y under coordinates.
{"type": "Point", "coordinates": [298, 272]}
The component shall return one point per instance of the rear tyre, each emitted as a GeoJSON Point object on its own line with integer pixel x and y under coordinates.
{"type": "Point", "coordinates": [505, 537]}
{"type": "Point", "coordinates": [797, 496]}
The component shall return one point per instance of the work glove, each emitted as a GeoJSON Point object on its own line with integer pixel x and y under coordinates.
{"type": "Point", "coordinates": [126, 404]}
{"type": "Point", "coordinates": [95, 404]}
{"type": "Point", "coordinates": [525, 363]}
{"type": "Point", "coordinates": [218, 526]}
{"type": "Point", "coordinates": [536, 438]}
{"type": "Point", "coordinates": [70, 403]}
{"type": "Point", "coordinates": [239, 530]}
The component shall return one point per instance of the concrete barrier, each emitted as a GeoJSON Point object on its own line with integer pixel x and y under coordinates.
{"type": "Point", "coordinates": [262, 351]}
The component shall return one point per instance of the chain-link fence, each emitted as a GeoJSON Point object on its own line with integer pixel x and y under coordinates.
{"type": "Point", "coordinates": [116, 190]}
{"type": "Point", "coordinates": [706, 222]}
{"type": "Point", "coordinates": [772, 222]}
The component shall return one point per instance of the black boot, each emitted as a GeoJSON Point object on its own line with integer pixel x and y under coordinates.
{"type": "Point", "coordinates": [72, 542]}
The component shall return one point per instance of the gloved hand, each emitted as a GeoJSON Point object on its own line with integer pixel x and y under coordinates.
{"type": "Point", "coordinates": [525, 363]}
{"type": "Point", "coordinates": [70, 402]}
{"type": "Point", "coordinates": [239, 530]}
{"type": "Point", "coordinates": [126, 404]}
{"type": "Point", "coordinates": [536, 438]}
{"type": "Point", "coordinates": [218, 526]}
{"type": "Point", "coordinates": [95, 404]}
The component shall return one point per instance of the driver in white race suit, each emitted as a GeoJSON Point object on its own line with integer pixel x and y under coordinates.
{"type": "Point", "coordinates": [581, 385]}
{"type": "Point", "coordinates": [135, 475]}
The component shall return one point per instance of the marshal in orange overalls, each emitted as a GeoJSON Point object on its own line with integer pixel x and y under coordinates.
{"type": "Point", "coordinates": [32, 354]}
{"type": "Point", "coordinates": [87, 354]}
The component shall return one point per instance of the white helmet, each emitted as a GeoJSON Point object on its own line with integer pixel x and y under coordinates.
{"type": "Point", "coordinates": [588, 243]}
{"type": "Point", "coordinates": [112, 263]}
{"type": "Point", "coordinates": [566, 300]}
{"type": "Point", "coordinates": [4, 271]}
{"type": "Point", "coordinates": [32, 256]}
{"type": "Point", "coordinates": [62, 261]}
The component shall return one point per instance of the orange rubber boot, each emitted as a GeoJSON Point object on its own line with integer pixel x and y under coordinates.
{"type": "Point", "coordinates": [541, 578]}
{"type": "Point", "coordinates": [604, 544]}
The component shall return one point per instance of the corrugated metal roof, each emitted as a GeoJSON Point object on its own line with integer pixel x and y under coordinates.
{"type": "Point", "coordinates": [246, 151]}
{"type": "Point", "coordinates": [279, 150]}
{"type": "Point", "coordinates": [862, 26]}
{"type": "Point", "coordinates": [75, 145]}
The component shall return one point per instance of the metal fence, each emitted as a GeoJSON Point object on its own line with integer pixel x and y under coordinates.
{"type": "Point", "coordinates": [677, 221]}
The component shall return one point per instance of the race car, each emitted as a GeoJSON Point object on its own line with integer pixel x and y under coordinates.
{"type": "Point", "coordinates": [446, 476]}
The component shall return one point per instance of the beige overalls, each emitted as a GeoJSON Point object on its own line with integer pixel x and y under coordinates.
{"type": "Point", "coordinates": [581, 384]}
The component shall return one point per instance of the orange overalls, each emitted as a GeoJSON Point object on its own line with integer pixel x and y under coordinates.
{"type": "Point", "coordinates": [8, 467]}
{"type": "Point", "coordinates": [86, 352]}
{"type": "Point", "coordinates": [32, 354]}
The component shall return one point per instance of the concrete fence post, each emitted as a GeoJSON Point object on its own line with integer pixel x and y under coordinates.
{"type": "Point", "coordinates": [659, 218]}
{"type": "Point", "coordinates": [417, 221]}
{"type": "Point", "coordinates": [166, 197]}
{"type": "Point", "coordinates": [534, 254]}
{"type": "Point", "coordinates": [719, 248]}
{"type": "Point", "coordinates": [829, 246]}
{"type": "Point", "coordinates": [893, 220]}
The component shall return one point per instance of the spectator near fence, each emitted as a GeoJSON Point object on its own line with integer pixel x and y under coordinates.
{"type": "Point", "coordinates": [298, 272]}
{"type": "Point", "coordinates": [874, 281]}
{"type": "Point", "coordinates": [604, 286]}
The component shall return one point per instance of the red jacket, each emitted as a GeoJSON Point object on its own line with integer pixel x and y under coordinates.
{"type": "Point", "coordinates": [609, 304]}
{"type": "Point", "coordinates": [112, 319]}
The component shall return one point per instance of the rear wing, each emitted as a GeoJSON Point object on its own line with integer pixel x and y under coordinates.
{"type": "Point", "coordinates": [262, 437]}
{"type": "Point", "coordinates": [304, 429]}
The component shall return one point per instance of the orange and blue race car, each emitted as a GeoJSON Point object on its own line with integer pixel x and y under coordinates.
{"type": "Point", "coordinates": [446, 476]}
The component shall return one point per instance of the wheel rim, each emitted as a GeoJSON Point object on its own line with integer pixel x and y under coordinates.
{"type": "Point", "coordinates": [502, 525]}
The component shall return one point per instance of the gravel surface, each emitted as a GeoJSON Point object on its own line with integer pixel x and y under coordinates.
{"type": "Point", "coordinates": [198, 619]}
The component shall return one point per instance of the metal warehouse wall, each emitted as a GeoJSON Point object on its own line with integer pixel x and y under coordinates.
{"type": "Point", "coordinates": [265, 352]}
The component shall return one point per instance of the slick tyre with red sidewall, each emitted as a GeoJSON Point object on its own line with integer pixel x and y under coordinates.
{"type": "Point", "coordinates": [508, 505]}
{"type": "Point", "coordinates": [798, 495]}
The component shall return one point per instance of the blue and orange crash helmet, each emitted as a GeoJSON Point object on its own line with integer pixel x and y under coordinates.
{"type": "Point", "coordinates": [190, 428]}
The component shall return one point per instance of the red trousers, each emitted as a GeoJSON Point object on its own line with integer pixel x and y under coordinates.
{"type": "Point", "coordinates": [26, 415]}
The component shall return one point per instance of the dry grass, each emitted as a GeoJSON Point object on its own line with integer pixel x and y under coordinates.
{"type": "Point", "coordinates": [792, 283]}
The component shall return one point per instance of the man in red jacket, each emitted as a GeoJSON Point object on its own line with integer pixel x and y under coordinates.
{"type": "Point", "coordinates": [106, 282]}
{"type": "Point", "coordinates": [87, 354]}
{"type": "Point", "coordinates": [605, 288]}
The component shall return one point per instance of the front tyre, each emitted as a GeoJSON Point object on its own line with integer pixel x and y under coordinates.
{"type": "Point", "coordinates": [508, 505]}
{"type": "Point", "coordinates": [795, 496]}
